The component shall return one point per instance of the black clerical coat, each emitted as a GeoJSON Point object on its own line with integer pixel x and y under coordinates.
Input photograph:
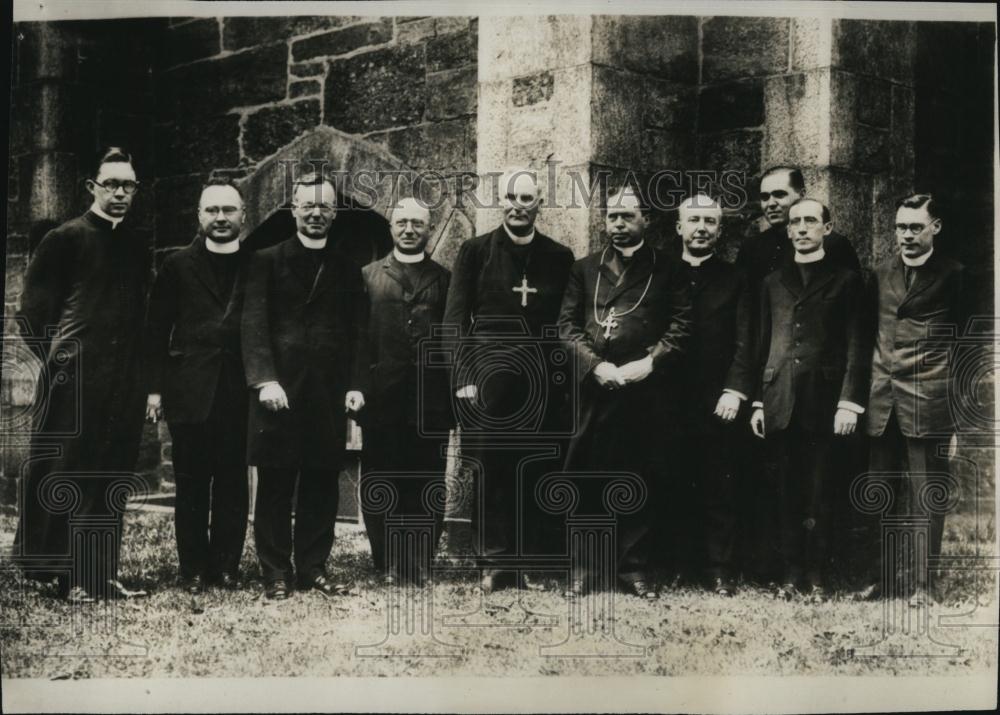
{"type": "Point", "coordinates": [763, 254]}
{"type": "Point", "coordinates": [814, 346]}
{"type": "Point", "coordinates": [913, 363]}
{"type": "Point", "coordinates": [403, 314]}
{"type": "Point", "coordinates": [82, 314]}
{"type": "Point", "coordinates": [193, 338]}
{"type": "Point", "coordinates": [620, 429]}
{"type": "Point", "coordinates": [718, 355]}
{"type": "Point", "coordinates": [491, 318]}
{"type": "Point", "coordinates": [305, 328]}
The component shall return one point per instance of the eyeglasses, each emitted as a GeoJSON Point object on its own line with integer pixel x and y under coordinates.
{"type": "Point", "coordinates": [113, 185]}
{"type": "Point", "coordinates": [227, 211]}
{"type": "Point", "coordinates": [915, 228]}
{"type": "Point", "coordinates": [325, 209]}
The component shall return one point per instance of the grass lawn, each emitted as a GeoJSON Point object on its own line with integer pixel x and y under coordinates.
{"type": "Point", "coordinates": [686, 632]}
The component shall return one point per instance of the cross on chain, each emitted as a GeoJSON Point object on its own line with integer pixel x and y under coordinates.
{"type": "Point", "coordinates": [609, 323]}
{"type": "Point", "coordinates": [523, 289]}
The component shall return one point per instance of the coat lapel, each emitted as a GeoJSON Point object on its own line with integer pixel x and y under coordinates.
{"type": "Point", "coordinates": [791, 279]}
{"type": "Point", "coordinates": [638, 272]}
{"type": "Point", "coordinates": [824, 274]}
{"type": "Point", "coordinates": [300, 263]}
{"type": "Point", "coordinates": [428, 277]}
{"type": "Point", "coordinates": [203, 271]}
{"type": "Point", "coordinates": [924, 279]}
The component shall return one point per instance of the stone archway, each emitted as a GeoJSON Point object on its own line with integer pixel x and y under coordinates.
{"type": "Point", "coordinates": [365, 205]}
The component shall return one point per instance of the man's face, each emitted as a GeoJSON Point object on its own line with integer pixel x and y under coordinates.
{"type": "Point", "coordinates": [699, 229]}
{"type": "Point", "coordinates": [114, 187]}
{"type": "Point", "coordinates": [806, 227]}
{"type": "Point", "coordinates": [625, 221]}
{"type": "Point", "coordinates": [411, 227]}
{"type": "Point", "coordinates": [915, 231]}
{"type": "Point", "coordinates": [314, 208]}
{"type": "Point", "coordinates": [520, 202]}
{"type": "Point", "coordinates": [220, 213]}
{"type": "Point", "coordinates": [776, 196]}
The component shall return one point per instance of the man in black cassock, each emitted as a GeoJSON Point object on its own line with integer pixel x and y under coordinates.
{"type": "Point", "coordinates": [83, 308]}
{"type": "Point", "coordinates": [780, 187]}
{"type": "Point", "coordinates": [812, 382]}
{"type": "Point", "coordinates": [505, 292]}
{"type": "Point", "coordinates": [714, 381]}
{"type": "Point", "coordinates": [408, 409]}
{"type": "Point", "coordinates": [626, 316]}
{"type": "Point", "coordinates": [196, 377]}
{"type": "Point", "coordinates": [304, 330]}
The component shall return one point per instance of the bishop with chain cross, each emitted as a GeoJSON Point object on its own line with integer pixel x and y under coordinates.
{"type": "Point", "coordinates": [625, 316]}
{"type": "Point", "coordinates": [505, 292]}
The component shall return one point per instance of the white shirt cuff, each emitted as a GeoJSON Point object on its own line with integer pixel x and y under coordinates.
{"type": "Point", "coordinates": [262, 385]}
{"type": "Point", "coordinates": [735, 392]}
{"type": "Point", "coordinates": [851, 407]}
{"type": "Point", "coordinates": [758, 405]}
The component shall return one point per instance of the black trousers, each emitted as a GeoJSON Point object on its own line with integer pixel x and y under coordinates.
{"type": "Point", "coordinates": [210, 515]}
{"type": "Point", "coordinates": [412, 468]}
{"type": "Point", "coordinates": [803, 469]}
{"type": "Point", "coordinates": [918, 460]}
{"type": "Point", "coordinates": [316, 500]}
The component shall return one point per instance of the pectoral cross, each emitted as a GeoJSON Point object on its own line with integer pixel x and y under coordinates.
{"type": "Point", "coordinates": [523, 289]}
{"type": "Point", "coordinates": [609, 324]}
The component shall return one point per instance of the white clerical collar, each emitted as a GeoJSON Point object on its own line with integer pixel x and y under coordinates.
{"type": "Point", "coordinates": [814, 257]}
{"type": "Point", "coordinates": [311, 243]}
{"type": "Point", "coordinates": [111, 219]}
{"type": "Point", "coordinates": [627, 251]}
{"type": "Point", "coordinates": [694, 260]}
{"type": "Point", "coordinates": [520, 240]}
{"type": "Point", "coordinates": [407, 257]}
{"type": "Point", "coordinates": [918, 261]}
{"type": "Point", "coordinates": [220, 247]}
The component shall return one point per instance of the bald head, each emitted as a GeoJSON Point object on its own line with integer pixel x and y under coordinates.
{"type": "Point", "coordinates": [520, 200]}
{"type": "Point", "coordinates": [410, 223]}
{"type": "Point", "coordinates": [699, 224]}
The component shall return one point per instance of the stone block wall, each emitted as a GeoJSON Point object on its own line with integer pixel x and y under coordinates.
{"type": "Point", "coordinates": [235, 91]}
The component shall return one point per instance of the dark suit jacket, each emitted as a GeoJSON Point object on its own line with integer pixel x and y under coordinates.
{"type": "Point", "coordinates": [307, 330]}
{"type": "Point", "coordinates": [718, 354]}
{"type": "Point", "coordinates": [772, 249]}
{"type": "Point", "coordinates": [402, 315]}
{"type": "Point", "coordinates": [912, 363]}
{"type": "Point", "coordinates": [813, 339]}
{"type": "Point", "coordinates": [193, 338]}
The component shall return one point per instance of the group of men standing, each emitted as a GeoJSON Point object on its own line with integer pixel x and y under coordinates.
{"type": "Point", "coordinates": [258, 358]}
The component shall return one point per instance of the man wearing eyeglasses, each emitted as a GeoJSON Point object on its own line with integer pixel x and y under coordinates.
{"type": "Point", "coordinates": [83, 308]}
{"type": "Point", "coordinates": [920, 293]}
{"type": "Point", "coordinates": [195, 376]}
{"type": "Point", "coordinates": [407, 416]}
{"type": "Point", "coordinates": [304, 338]}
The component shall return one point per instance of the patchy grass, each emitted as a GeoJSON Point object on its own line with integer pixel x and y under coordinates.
{"type": "Point", "coordinates": [686, 632]}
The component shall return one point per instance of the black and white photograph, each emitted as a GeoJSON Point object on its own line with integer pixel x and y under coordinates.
{"type": "Point", "coordinates": [519, 357]}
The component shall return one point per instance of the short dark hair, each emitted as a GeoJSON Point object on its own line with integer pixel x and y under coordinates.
{"type": "Point", "coordinates": [313, 178]}
{"type": "Point", "coordinates": [826, 211]}
{"type": "Point", "coordinates": [221, 180]}
{"type": "Point", "coordinates": [795, 178]}
{"type": "Point", "coordinates": [621, 191]}
{"type": "Point", "coordinates": [916, 201]}
{"type": "Point", "coordinates": [111, 155]}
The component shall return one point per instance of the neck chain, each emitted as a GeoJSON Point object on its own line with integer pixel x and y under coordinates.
{"type": "Point", "coordinates": [610, 322]}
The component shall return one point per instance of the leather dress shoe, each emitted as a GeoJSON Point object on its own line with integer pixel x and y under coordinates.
{"type": "Point", "coordinates": [723, 586]}
{"type": "Point", "coordinates": [638, 586]}
{"type": "Point", "coordinates": [921, 598]}
{"type": "Point", "coordinates": [193, 584]}
{"type": "Point", "coordinates": [276, 591]}
{"type": "Point", "coordinates": [818, 594]}
{"type": "Point", "coordinates": [117, 590]}
{"type": "Point", "coordinates": [78, 597]}
{"type": "Point", "coordinates": [786, 591]}
{"type": "Point", "coordinates": [229, 581]}
{"type": "Point", "coordinates": [325, 586]}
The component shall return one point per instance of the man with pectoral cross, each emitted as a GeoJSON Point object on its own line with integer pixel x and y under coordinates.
{"type": "Point", "coordinates": [626, 317]}
{"type": "Point", "coordinates": [812, 383]}
{"type": "Point", "coordinates": [195, 376]}
{"type": "Point", "coordinates": [505, 291]}
{"type": "Point", "coordinates": [305, 352]}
